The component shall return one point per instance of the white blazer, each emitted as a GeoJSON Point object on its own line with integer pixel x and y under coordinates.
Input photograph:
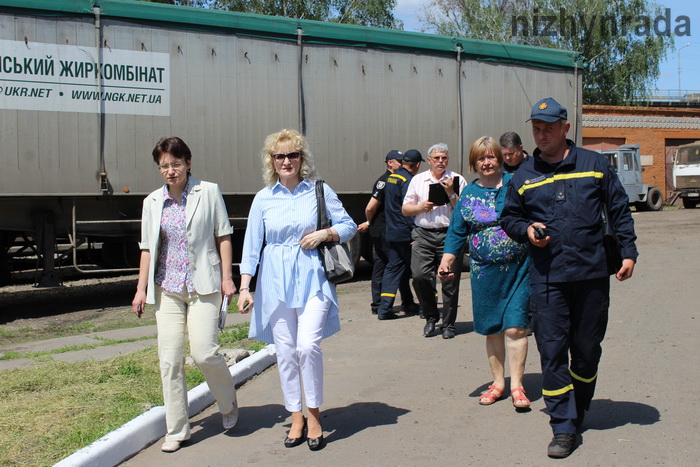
{"type": "Point", "coordinates": [206, 219]}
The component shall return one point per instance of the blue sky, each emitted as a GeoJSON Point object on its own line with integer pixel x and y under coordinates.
{"type": "Point", "coordinates": [410, 12]}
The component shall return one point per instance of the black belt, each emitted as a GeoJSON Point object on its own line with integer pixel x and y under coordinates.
{"type": "Point", "coordinates": [439, 229]}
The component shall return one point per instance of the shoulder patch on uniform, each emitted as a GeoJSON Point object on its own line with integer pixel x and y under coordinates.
{"type": "Point", "coordinates": [380, 185]}
{"type": "Point", "coordinates": [534, 180]}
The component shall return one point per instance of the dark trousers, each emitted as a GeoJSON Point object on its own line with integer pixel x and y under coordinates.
{"type": "Point", "coordinates": [569, 320]}
{"type": "Point", "coordinates": [426, 255]}
{"type": "Point", "coordinates": [398, 260]}
{"type": "Point", "coordinates": [381, 259]}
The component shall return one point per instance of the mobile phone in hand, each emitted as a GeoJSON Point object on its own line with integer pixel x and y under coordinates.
{"type": "Point", "coordinates": [139, 311]}
{"type": "Point", "coordinates": [539, 233]}
{"type": "Point", "coordinates": [444, 273]}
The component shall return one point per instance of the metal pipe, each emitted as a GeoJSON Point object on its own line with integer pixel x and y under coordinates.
{"type": "Point", "coordinates": [74, 246]}
{"type": "Point", "coordinates": [115, 221]}
{"type": "Point", "coordinates": [104, 183]}
{"type": "Point", "coordinates": [302, 110]}
{"type": "Point", "coordinates": [576, 104]}
{"type": "Point", "coordinates": [460, 123]}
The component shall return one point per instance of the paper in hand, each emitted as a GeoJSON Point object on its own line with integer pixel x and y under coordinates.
{"type": "Point", "coordinates": [223, 312]}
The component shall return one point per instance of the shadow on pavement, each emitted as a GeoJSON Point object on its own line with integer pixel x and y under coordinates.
{"type": "Point", "coordinates": [606, 414]}
{"type": "Point", "coordinates": [251, 420]}
{"type": "Point", "coordinates": [339, 423]}
{"type": "Point", "coordinates": [343, 422]}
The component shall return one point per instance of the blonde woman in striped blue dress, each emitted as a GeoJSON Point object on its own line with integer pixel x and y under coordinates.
{"type": "Point", "coordinates": [295, 306]}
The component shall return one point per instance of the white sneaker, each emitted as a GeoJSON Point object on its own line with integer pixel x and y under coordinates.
{"type": "Point", "coordinates": [231, 418]}
{"type": "Point", "coordinates": [170, 446]}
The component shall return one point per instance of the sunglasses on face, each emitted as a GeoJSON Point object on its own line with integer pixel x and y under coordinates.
{"type": "Point", "coordinates": [292, 156]}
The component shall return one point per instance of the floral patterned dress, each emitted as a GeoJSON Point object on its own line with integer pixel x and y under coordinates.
{"type": "Point", "coordinates": [498, 265]}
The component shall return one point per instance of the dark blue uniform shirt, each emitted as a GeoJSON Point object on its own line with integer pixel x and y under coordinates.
{"type": "Point", "coordinates": [376, 228]}
{"type": "Point", "coordinates": [398, 226]}
{"type": "Point", "coordinates": [567, 197]}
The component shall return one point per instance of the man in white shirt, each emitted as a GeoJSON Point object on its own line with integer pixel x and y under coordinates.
{"type": "Point", "coordinates": [432, 208]}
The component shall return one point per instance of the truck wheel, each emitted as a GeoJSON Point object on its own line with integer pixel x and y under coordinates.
{"type": "Point", "coordinates": [655, 200]}
{"type": "Point", "coordinates": [689, 203]}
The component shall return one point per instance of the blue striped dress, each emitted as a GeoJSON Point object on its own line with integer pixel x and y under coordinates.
{"type": "Point", "coordinates": [286, 272]}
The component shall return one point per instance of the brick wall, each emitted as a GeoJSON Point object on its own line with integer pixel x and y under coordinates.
{"type": "Point", "coordinates": [650, 127]}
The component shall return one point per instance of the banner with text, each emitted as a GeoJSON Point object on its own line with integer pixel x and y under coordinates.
{"type": "Point", "coordinates": [69, 78]}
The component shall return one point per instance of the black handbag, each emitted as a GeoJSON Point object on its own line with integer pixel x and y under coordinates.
{"type": "Point", "coordinates": [613, 251]}
{"type": "Point", "coordinates": [335, 256]}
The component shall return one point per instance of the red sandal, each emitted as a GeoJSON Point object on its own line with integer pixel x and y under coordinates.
{"type": "Point", "coordinates": [520, 401]}
{"type": "Point", "coordinates": [491, 395]}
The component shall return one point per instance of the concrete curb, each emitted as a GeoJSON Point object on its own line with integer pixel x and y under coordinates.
{"type": "Point", "coordinates": [132, 437]}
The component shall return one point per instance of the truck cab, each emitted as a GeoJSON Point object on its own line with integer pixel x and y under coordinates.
{"type": "Point", "coordinates": [626, 161]}
{"type": "Point", "coordinates": [686, 174]}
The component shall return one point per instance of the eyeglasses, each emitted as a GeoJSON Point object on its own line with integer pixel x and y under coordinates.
{"type": "Point", "coordinates": [292, 156]}
{"type": "Point", "coordinates": [174, 166]}
{"type": "Point", "coordinates": [439, 158]}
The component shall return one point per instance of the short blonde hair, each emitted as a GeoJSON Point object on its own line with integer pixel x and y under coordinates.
{"type": "Point", "coordinates": [481, 146]}
{"type": "Point", "coordinates": [299, 144]}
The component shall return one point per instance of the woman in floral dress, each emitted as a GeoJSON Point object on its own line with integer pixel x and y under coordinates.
{"type": "Point", "coordinates": [498, 271]}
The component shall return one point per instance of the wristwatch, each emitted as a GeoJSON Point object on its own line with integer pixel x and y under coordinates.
{"type": "Point", "coordinates": [453, 195]}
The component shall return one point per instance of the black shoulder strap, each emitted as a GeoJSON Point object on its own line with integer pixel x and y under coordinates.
{"type": "Point", "coordinates": [322, 215]}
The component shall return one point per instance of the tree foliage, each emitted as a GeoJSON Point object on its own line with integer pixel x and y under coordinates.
{"type": "Point", "coordinates": [375, 13]}
{"type": "Point", "coordinates": [624, 41]}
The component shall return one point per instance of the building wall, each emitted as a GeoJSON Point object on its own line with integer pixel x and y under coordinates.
{"type": "Point", "coordinates": [656, 130]}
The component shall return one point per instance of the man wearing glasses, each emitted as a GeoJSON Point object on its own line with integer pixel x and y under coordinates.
{"type": "Point", "coordinates": [431, 198]}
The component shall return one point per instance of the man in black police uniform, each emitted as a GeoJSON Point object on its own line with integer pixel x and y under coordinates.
{"type": "Point", "coordinates": [398, 231]}
{"type": "Point", "coordinates": [560, 191]}
{"type": "Point", "coordinates": [376, 225]}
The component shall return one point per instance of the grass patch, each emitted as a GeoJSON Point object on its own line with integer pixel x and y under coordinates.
{"type": "Point", "coordinates": [67, 406]}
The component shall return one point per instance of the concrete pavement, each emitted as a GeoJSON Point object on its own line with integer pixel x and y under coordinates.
{"type": "Point", "coordinates": [394, 397]}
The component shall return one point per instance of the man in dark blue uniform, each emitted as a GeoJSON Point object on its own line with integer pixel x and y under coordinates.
{"type": "Point", "coordinates": [554, 202]}
{"type": "Point", "coordinates": [512, 150]}
{"type": "Point", "coordinates": [398, 231]}
{"type": "Point", "coordinates": [376, 226]}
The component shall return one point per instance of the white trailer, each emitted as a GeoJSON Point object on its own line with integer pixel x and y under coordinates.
{"type": "Point", "coordinates": [88, 86]}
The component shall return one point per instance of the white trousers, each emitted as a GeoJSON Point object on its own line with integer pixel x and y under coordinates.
{"type": "Point", "coordinates": [297, 333]}
{"type": "Point", "coordinates": [178, 315]}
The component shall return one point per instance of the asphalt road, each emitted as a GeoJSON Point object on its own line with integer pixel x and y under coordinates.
{"type": "Point", "coordinates": [394, 397]}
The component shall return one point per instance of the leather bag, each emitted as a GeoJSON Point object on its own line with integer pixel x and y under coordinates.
{"type": "Point", "coordinates": [613, 251]}
{"type": "Point", "coordinates": [335, 256]}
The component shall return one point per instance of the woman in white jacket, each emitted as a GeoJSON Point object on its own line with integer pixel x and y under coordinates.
{"type": "Point", "coordinates": [186, 258]}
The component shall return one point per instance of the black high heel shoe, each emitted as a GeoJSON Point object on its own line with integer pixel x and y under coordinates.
{"type": "Point", "coordinates": [316, 444]}
{"type": "Point", "coordinates": [292, 442]}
